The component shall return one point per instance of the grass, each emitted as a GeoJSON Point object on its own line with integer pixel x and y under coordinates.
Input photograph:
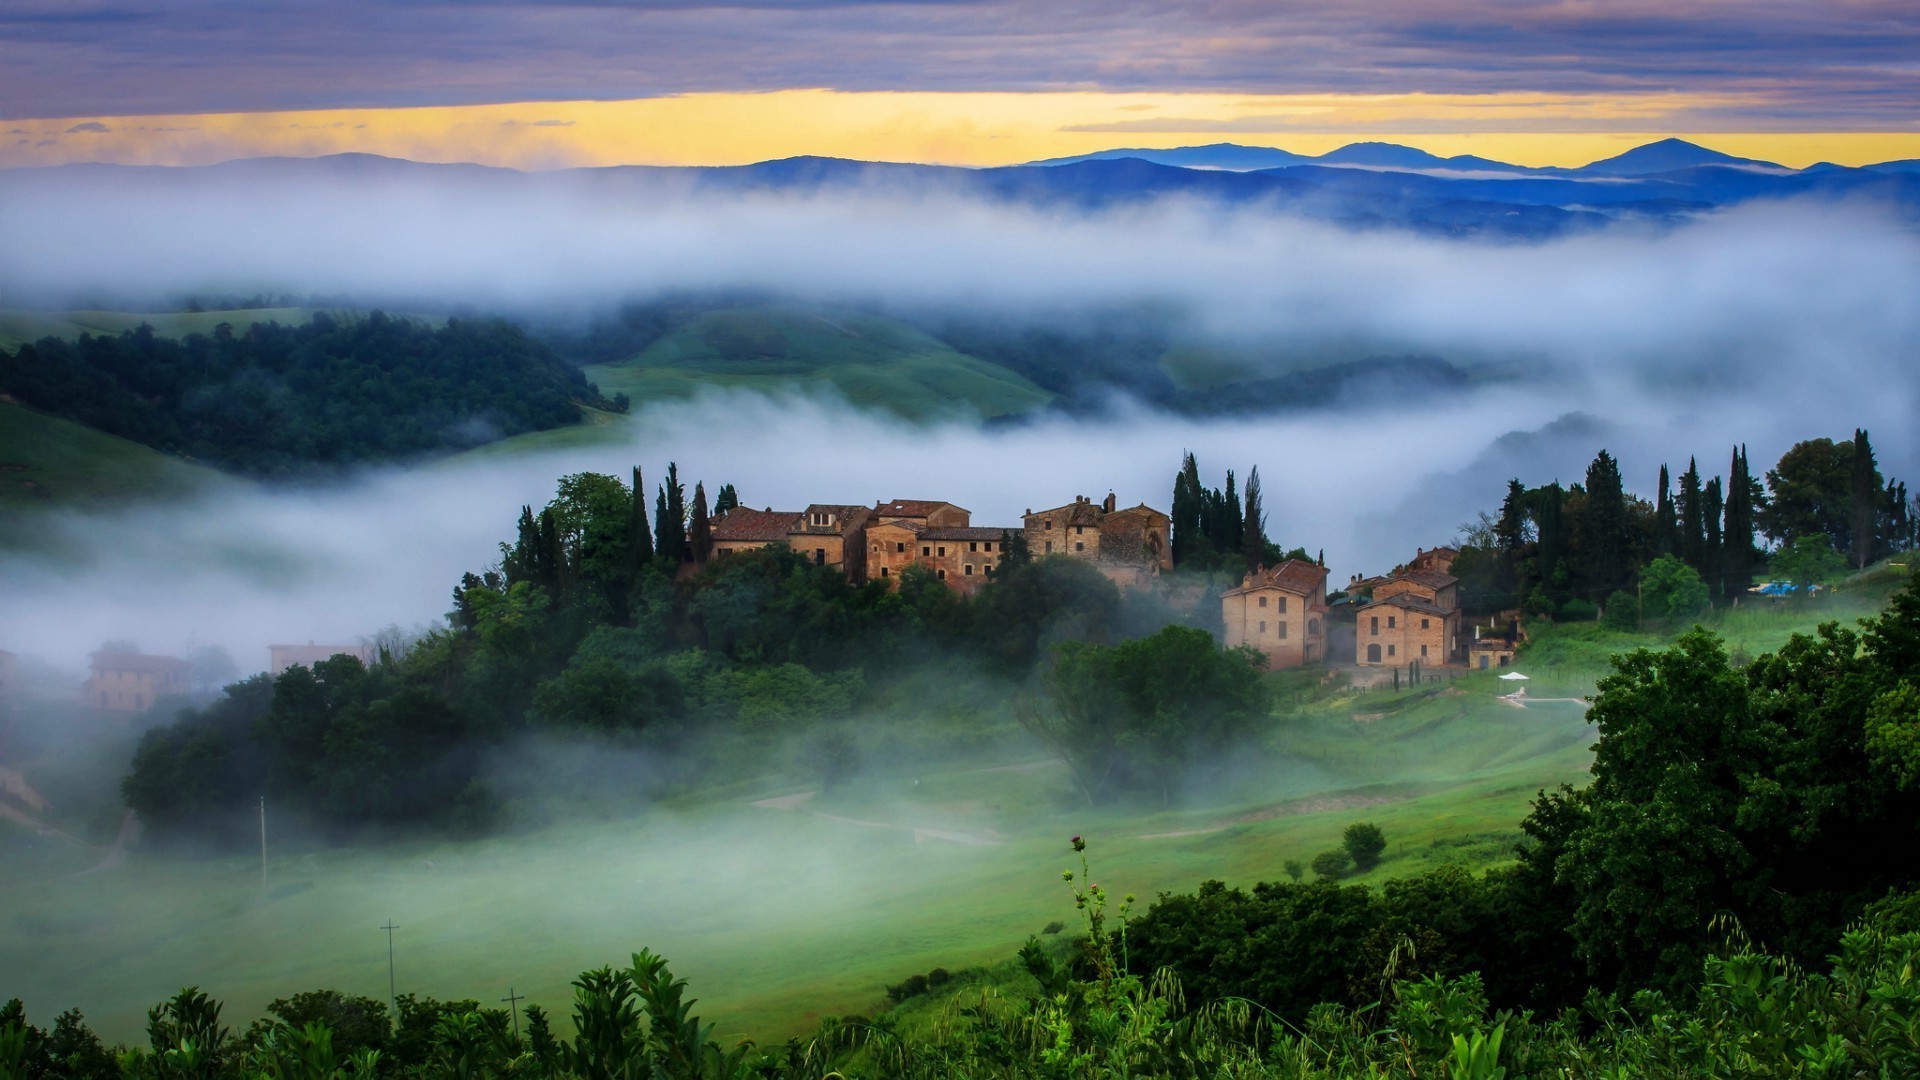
{"type": "Point", "coordinates": [49, 462]}
{"type": "Point", "coordinates": [870, 361]}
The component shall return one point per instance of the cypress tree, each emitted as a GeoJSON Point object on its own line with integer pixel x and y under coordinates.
{"type": "Point", "coordinates": [1693, 531]}
{"type": "Point", "coordinates": [1665, 527]}
{"type": "Point", "coordinates": [1188, 510]}
{"type": "Point", "coordinates": [1551, 547]}
{"type": "Point", "coordinates": [726, 500]}
{"type": "Point", "coordinates": [1014, 551]}
{"type": "Point", "coordinates": [700, 530]}
{"type": "Point", "coordinates": [1715, 572]}
{"type": "Point", "coordinates": [1736, 537]}
{"type": "Point", "coordinates": [1608, 554]}
{"type": "Point", "coordinates": [1253, 532]}
{"type": "Point", "coordinates": [553, 561]}
{"type": "Point", "coordinates": [639, 533]}
{"type": "Point", "coordinates": [1226, 524]}
{"type": "Point", "coordinates": [521, 562]}
{"type": "Point", "coordinates": [670, 517]}
{"type": "Point", "coordinates": [1864, 504]}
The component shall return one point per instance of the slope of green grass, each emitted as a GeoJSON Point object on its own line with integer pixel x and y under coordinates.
{"type": "Point", "coordinates": [871, 361]}
{"type": "Point", "coordinates": [47, 461]}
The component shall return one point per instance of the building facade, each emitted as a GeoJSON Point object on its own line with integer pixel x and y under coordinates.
{"type": "Point", "coordinates": [1129, 546]}
{"type": "Point", "coordinates": [132, 682]}
{"type": "Point", "coordinates": [1281, 612]}
{"type": "Point", "coordinates": [1414, 616]}
{"type": "Point", "coordinates": [937, 535]}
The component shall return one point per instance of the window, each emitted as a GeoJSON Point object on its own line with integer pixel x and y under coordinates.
{"type": "Point", "coordinates": [1049, 526]}
{"type": "Point", "coordinates": [1282, 628]}
{"type": "Point", "coordinates": [969, 569]}
{"type": "Point", "coordinates": [1263, 601]}
{"type": "Point", "coordinates": [1263, 626]}
{"type": "Point", "coordinates": [1283, 605]}
{"type": "Point", "coordinates": [819, 556]}
{"type": "Point", "coordinates": [942, 574]}
{"type": "Point", "coordinates": [899, 547]}
{"type": "Point", "coordinates": [883, 571]}
{"type": "Point", "coordinates": [1423, 651]}
{"type": "Point", "coordinates": [926, 550]}
{"type": "Point", "coordinates": [1483, 663]}
{"type": "Point", "coordinates": [1376, 625]}
{"type": "Point", "coordinates": [1079, 529]}
{"type": "Point", "coordinates": [989, 546]}
{"type": "Point", "coordinates": [943, 552]}
{"type": "Point", "coordinates": [1049, 547]}
{"type": "Point", "coordinates": [971, 546]}
{"type": "Point", "coordinates": [1389, 622]}
{"type": "Point", "coordinates": [989, 571]}
{"type": "Point", "coordinates": [1078, 546]}
{"type": "Point", "coordinates": [1389, 650]}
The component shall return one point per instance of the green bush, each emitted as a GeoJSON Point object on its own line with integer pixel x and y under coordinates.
{"type": "Point", "coordinates": [1331, 865]}
{"type": "Point", "coordinates": [1622, 612]}
{"type": "Point", "coordinates": [1364, 841]}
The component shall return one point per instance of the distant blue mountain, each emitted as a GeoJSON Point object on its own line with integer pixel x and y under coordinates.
{"type": "Point", "coordinates": [1667, 155]}
{"type": "Point", "coordinates": [1229, 156]}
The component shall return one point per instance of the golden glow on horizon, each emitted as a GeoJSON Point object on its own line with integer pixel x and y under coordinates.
{"type": "Point", "coordinates": [945, 128]}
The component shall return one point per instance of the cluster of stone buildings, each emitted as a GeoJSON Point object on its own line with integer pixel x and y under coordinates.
{"type": "Point", "coordinates": [878, 542]}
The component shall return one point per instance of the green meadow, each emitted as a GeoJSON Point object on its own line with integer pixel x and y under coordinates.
{"type": "Point", "coordinates": [870, 361]}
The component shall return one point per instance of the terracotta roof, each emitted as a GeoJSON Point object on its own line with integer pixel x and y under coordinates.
{"type": "Point", "coordinates": [1294, 576]}
{"type": "Point", "coordinates": [1078, 512]}
{"type": "Point", "coordinates": [846, 516]}
{"type": "Point", "coordinates": [1409, 602]}
{"type": "Point", "coordinates": [914, 527]}
{"type": "Point", "coordinates": [741, 525]}
{"type": "Point", "coordinates": [1143, 510]}
{"type": "Point", "coordinates": [103, 661]}
{"type": "Point", "coordinates": [975, 532]}
{"type": "Point", "coordinates": [910, 508]}
{"type": "Point", "coordinates": [1432, 579]}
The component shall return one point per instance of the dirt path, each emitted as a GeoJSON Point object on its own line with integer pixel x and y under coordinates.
{"type": "Point", "coordinates": [1290, 808]}
{"type": "Point", "coordinates": [798, 803]}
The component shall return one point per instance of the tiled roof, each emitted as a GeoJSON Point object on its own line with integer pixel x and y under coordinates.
{"type": "Point", "coordinates": [976, 532]}
{"type": "Point", "coordinates": [844, 517]}
{"type": "Point", "coordinates": [1294, 576]}
{"type": "Point", "coordinates": [741, 525]}
{"type": "Point", "coordinates": [1409, 602]}
{"type": "Point", "coordinates": [1143, 510]}
{"type": "Point", "coordinates": [1077, 512]}
{"type": "Point", "coordinates": [1432, 579]}
{"type": "Point", "coordinates": [914, 527]}
{"type": "Point", "coordinates": [136, 662]}
{"type": "Point", "coordinates": [910, 508]}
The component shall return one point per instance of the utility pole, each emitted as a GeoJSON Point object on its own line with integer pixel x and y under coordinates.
{"type": "Point", "coordinates": [393, 1002]}
{"type": "Point", "coordinates": [513, 1001]}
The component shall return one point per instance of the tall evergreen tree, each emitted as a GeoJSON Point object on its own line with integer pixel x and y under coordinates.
{"type": "Point", "coordinates": [1253, 523]}
{"type": "Point", "coordinates": [1013, 551]}
{"type": "Point", "coordinates": [1188, 512]}
{"type": "Point", "coordinates": [639, 533]}
{"type": "Point", "coordinates": [1712, 503]}
{"type": "Point", "coordinates": [1666, 528]}
{"type": "Point", "coordinates": [670, 517]}
{"type": "Point", "coordinates": [700, 527]}
{"type": "Point", "coordinates": [553, 558]}
{"type": "Point", "coordinates": [1693, 529]}
{"type": "Point", "coordinates": [1550, 549]}
{"type": "Point", "coordinates": [1736, 536]}
{"type": "Point", "coordinates": [1863, 508]}
{"type": "Point", "coordinates": [726, 500]}
{"type": "Point", "coordinates": [1608, 554]}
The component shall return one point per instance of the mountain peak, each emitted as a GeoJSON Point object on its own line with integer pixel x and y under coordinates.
{"type": "Point", "coordinates": [1666, 155]}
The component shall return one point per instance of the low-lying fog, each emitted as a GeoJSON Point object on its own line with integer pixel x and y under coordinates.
{"type": "Point", "coordinates": [1763, 325]}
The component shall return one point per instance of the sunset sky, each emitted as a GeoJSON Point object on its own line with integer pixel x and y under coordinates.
{"type": "Point", "coordinates": [551, 84]}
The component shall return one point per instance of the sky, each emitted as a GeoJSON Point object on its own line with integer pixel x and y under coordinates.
{"type": "Point", "coordinates": [534, 84]}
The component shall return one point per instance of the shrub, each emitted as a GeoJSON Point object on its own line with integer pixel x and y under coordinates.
{"type": "Point", "coordinates": [1578, 611]}
{"type": "Point", "coordinates": [1331, 865]}
{"type": "Point", "coordinates": [1293, 869]}
{"type": "Point", "coordinates": [911, 986]}
{"type": "Point", "coordinates": [1053, 927]}
{"type": "Point", "coordinates": [1622, 612]}
{"type": "Point", "coordinates": [1364, 841]}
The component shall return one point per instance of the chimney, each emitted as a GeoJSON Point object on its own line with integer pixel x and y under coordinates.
{"type": "Point", "coordinates": [1109, 504]}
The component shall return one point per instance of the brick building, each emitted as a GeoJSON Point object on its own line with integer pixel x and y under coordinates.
{"type": "Point", "coordinates": [1282, 612]}
{"type": "Point", "coordinates": [937, 535]}
{"type": "Point", "coordinates": [1129, 546]}
{"type": "Point", "coordinates": [132, 682]}
{"type": "Point", "coordinates": [1414, 615]}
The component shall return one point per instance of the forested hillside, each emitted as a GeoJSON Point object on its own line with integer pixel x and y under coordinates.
{"type": "Point", "coordinates": [276, 399]}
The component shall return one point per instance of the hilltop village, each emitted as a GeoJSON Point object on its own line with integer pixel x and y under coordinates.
{"type": "Point", "coordinates": [1408, 618]}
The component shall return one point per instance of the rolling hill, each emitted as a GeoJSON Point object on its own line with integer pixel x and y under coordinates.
{"type": "Point", "coordinates": [871, 361]}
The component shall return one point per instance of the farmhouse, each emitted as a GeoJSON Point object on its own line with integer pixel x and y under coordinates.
{"type": "Point", "coordinates": [937, 535]}
{"type": "Point", "coordinates": [1129, 546]}
{"type": "Point", "coordinates": [1414, 615]}
{"type": "Point", "coordinates": [132, 682]}
{"type": "Point", "coordinates": [742, 529]}
{"type": "Point", "coordinates": [1281, 612]}
{"type": "Point", "coordinates": [832, 534]}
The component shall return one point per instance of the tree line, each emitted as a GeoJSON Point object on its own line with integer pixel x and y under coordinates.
{"type": "Point", "coordinates": [1575, 550]}
{"type": "Point", "coordinates": [278, 400]}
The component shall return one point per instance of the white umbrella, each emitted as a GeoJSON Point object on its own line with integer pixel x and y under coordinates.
{"type": "Point", "coordinates": [1514, 676]}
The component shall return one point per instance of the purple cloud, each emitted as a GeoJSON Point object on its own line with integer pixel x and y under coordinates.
{"type": "Point", "coordinates": [1836, 66]}
{"type": "Point", "coordinates": [90, 127]}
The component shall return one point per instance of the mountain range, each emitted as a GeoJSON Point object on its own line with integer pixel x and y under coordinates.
{"type": "Point", "coordinates": [1362, 185]}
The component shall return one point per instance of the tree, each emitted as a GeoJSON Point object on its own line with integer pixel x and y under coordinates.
{"type": "Point", "coordinates": [1863, 519]}
{"type": "Point", "coordinates": [1671, 590]}
{"type": "Point", "coordinates": [1666, 525]}
{"type": "Point", "coordinates": [1253, 523]}
{"type": "Point", "coordinates": [1693, 528]}
{"type": "Point", "coordinates": [1331, 865]}
{"type": "Point", "coordinates": [670, 518]}
{"type": "Point", "coordinates": [1607, 546]}
{"type": "Point", "coordinates": [700, 529]}
{"type": "Point", "coordinates": [1810, 493]}
{"type": "Point", "coordinates": [726, 500]}
{"type": "Point", "coordinates": [1807, 561]}
{"type": "Point", "coordinates": [1014, 552]}
{"type": "Point", "coordinates": [1736, 536]}
{"type": "Point", "coordinates": [639, 533]}
{"type": "Point", "coordinates": [1714, 503]}
{"type": "Point", "coordinates": [1364, 841]}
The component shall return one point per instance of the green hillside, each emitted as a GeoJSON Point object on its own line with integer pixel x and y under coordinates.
{"type": "Point", "coordinates": [47, 460]}
{"type": "Point", "coordinates": [871, 361]}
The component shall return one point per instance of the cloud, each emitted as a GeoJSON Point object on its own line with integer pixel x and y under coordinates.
{"type": "Point", "coordinates": [537, 123]}
{"type": "Point", "coordinates": [89, 126]}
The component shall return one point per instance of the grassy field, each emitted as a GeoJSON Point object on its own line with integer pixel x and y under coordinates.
{"type": "Point", "coordinates": [871, 361]}
{"type": "Point", "coordinates": [47, 461]}
{"type": "Point", "coordinates": [780, 906]}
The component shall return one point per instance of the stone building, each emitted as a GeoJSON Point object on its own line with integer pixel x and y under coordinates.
{"type": "Point", "coordinates": [132, 682]}
{"type": "Point", "coordinates": [1440, 559]}
{"type": "Point", "coordinates": [744, 529]}
{"type": "Point", "coordinates": [832, 534]}
{"type": "Point", "coordinates": [1281, 612]}
{"type": "Point", "coordinates": [937, 535]}
{"type": "Point", "coordinates": [1129, 546]}
{"type": "Point", "coordinates": [282, 657]}
{"type": "Point", "coordinates": [1414, 615]}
